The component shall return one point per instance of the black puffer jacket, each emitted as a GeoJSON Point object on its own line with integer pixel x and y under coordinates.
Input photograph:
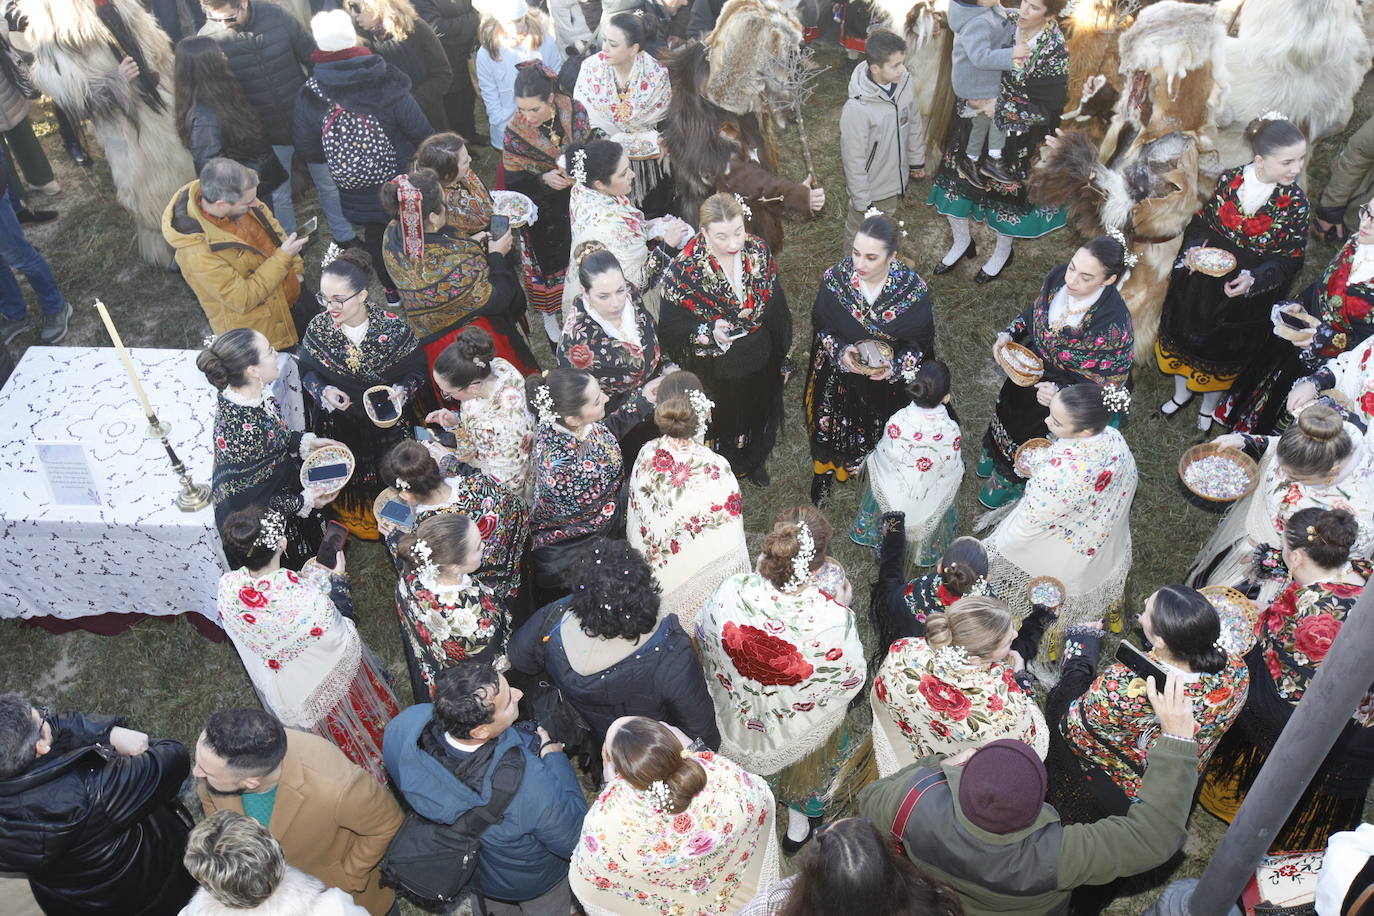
{"type": "Point", "coordinates": [422, 58]}
{"type": "Point", "coordinates": [364, 83]}
{"type": "Point", "coordinates": [97, 832]}
{"type": "Point", "coordinates": [455, 22]}
{"type": "Point", "coordinates": [270, 57]}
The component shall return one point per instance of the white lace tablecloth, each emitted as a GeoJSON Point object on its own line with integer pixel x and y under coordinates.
{"type": "Point", "coordinates": [137, 553]}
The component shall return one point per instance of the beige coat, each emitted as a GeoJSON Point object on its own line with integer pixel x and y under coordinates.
{"type": "Point", "coordinates": [333, 820]}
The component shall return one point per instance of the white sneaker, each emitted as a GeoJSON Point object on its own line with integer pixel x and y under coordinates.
{"type": "Point", "coordinates": [50, 189]}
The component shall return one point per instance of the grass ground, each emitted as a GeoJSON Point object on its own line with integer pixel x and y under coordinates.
{"type": "Point", "coordinates": [167, 679]}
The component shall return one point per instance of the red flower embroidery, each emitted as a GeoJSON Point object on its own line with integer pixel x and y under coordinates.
{"type": "Point", "coordinates": [390, 314]}
{"type": "Point", "coordinates": [1283, 200]}
{"type": "Point", "coordinates": [880, 689]}
{"type": "Point", "coordinates": [454, 650]}
{"type": "Point", "coordinates": [316, 631]}
{"type": "Point", "coordinates": [803, 707]}
{"type": "Point", "coordinates": [734, 504]}
{"type": "Point", "coordinates": [682, 822]}
{"type": "Point", "coordinates": [936, 726]}
{"type": "Point", "coordinates": [946, 596]}
{"type": "Point", "coordinates": [273, 664]}
{"type": "Point", "coordinates": [662, 460]}
{"type": "Point", "coordinates": [251, 597]}
{"type": "Point", "coordinates": [1258, 224]}
{"type": "Point", "coordinates": [995, 703]}
{"type": "Point", "coordinates": [1344, 589]}
{"type": "Point", "coordinates": [1367, 403]}
{"type": "Point", "coordinates": [834, 654]}
{"type": "Point", "coordinates": [1230, 215]}
{"type": "Point", "coordinates": [1102, 480]}
{"type": "Point", "coordinates": [894, 431]}
{"type": "Point", "coordinates": [1219, 695]}
{"type": "Point", "coordinates": [1271, 661]}
{"type": "Point", "coordinates": [580, 356]}
{"type": "Point", "coordinates": [770, 661]}
{"type": "Point", "coordinates": [924, 464]}
{"type": "Point", "coordinates": [1009, 678]}
{"type": "Point", "coordinates": [248, 618]}
{"type": "Point", "coordinates": [1314, 636]}
{"type": "Point", "coordinates": [220, 443]}
{"type": "Point", "coordinates": [1237, 181]}
{"type": "Point", "coordinates": [292, 577]}
{"type": "Point", "coordinates": [486, 526]}
{"type": "Point", "coordinates": [943, 698]}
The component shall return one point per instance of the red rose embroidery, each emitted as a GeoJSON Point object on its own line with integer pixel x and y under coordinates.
{"type": "Point", "coordinates": [1271, 661]}
{"type": "Point", "coordinates": [682, 822]}
{"type": "Point", "coordinates": [803, 707]}
{"type": "Point", "coordinates": [1230, 216]}
{"type": "Point", "coordinates": [602, 882]}
{"type": "Point", "coordinates": [995, 703]}
{"type": "Point", "coordinates": [1282, 201]}
{"type": "Point", "coordinates": [1218, 696]}
{"type": "Point", "coordinates": [936, 726]}
{"type": "Point", "coordinates": [1256, 225]}
{"type": "Point", "coordinates": [946, 596]}
{"type": "Point", "coordinates": [390, 314]}
{"type": "Point", "coordinates": [1237, 181]}
{"type": "Point", "coordinates": [1314, 636]}
{"type": "Point", "coordinates": [1102, 480]}
{"type": "Point", "coordinates": [220, 443]}
{"type": "Point", "coordinates": [834, 654]}
{"type": "Point", "coordinates": [580, 356]}
{"type": "Point", "coordinates": [316, 631]}
{"type": "Point", "coordinates": [273, 664]}
{"type": "Point", "coordinates": [734, 504]}
{"type": "Point", "coordinates": [1356, 308]}
{"type": "Point", "coordinates": [770, 661]}
{"type": "Point", "coordinates": [880, 689]}
{"type": "Point", "coordinates": [924, 464]}
{"type": "Point", "coordinates": [1367, 403]}
{"type": "Point", "coordinates": [1344, 589]}
{"type": "Point", "coordinates": [894, 431]}
{"type": "Point", "coordinates": [251, 597]}
{"type": "Point", "coordinates": [248, 618]}
{"type": "Point", "coordinates": [662, 460]}
{"type": "Point", "coordinates": [292, 577]}
{"type": "Point", "coordinates": [943, 698]}
{"type": "Point", "coordinates": [486, 526]}
{"type": "Point", "coordinates": [1009, 678]}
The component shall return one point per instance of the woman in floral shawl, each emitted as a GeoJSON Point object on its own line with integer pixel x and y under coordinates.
{"type": "Point", "coordinates": [955, 687]}
{"type": "Point", "coordinates": [626, 94]}
{"type": "Point", "coordinates": [782, 661]}
{"type": "Point", "coordinates": [873, 298]}
{"type": "Point", "coordinates": [1080, 328]}
{"type": "Point", "coordinates": [1074, 521]}
{"type": "Point", "coordinates": [447, 279]}
{"type": "Point", "coordinates": [724, 316]}
{"type": "Point", "coordinates": [446, 614]}
{"type": "Point", "coordinates": [674, 830]}
{"type": "Point", "coordinates": [545, 121]}
{"type": "Point", "coordinates": [1320, 461]}
{"type": "Point", "coordinates": [297, 641]}
{"type": "Point", "coordinates": [685, 511]}
{"type": "Point", "coordinates": [349, 347]}
{"type": "Point", "coordinates": [1028, 106]}
{"type": "Point", "coordinates": [1212, 327]}
{"type": "Point", "coordinates": [1295, 633]}
{"type": "Point", "coordinates": [466, 198]}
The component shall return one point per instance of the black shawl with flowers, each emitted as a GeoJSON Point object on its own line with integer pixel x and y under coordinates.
{"type": "Point", "coordinates": [1270, 243]}
{"type": "Point", "coordinates": [1345, 309]}
{"type": "Point", "coordinates": [902, 316]}
{"type": "Point", "coordinates": [388, 355]}
{"type": "Point", "coordinates": [1099, 349]}
{"type": "Point", "coordinates": [621, 368]}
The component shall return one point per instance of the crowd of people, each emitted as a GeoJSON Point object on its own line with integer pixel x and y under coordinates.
{"type": "Point", "coordinates": [616, 707]}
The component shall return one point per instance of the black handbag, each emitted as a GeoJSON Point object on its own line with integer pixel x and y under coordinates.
{"type": "Point", "coordinates": [551, 709]}
{"type": "Point", "coordinates": [436, 863]}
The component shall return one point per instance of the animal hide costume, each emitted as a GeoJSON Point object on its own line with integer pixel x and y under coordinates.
{"type": "Point", "coordinates": [1157, 164]}
{"type": "Point", "coordinates": [77, 46]}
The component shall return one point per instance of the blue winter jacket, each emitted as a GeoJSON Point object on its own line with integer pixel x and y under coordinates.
{"type": "Point", "coordinates": [525, 854]}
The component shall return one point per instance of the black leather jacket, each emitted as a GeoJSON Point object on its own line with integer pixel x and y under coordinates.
{"type": "Point", "coordinates": [97, 832]}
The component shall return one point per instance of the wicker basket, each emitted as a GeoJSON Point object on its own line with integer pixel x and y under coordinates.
{"type": "Point", "coordinates": [1238, 617]}
{"type": "Point", "coordinates": [1042, 581]}
{"type": "Point", "coordinates": [1022, 459]}
{"type": "Point", "coordinates": [1214, 262]}
{"type": "Point", "coordinates": [517, 207]}
{"type": "Point", "coordinates": [1208, 450]}
{"type": "Point", "coordinates": [329, 454]}
{"type": "Point", "coordinates": [1019, 374]}
{"type": "Point", "coordinates": [371, 413]}
{"type": "Point", "coordinates": [883, 348]}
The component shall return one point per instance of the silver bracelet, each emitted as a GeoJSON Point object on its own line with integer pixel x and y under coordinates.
{"type": "Point", "coordinates": [1177, 737]}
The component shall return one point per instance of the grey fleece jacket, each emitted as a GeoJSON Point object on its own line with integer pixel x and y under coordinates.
{"type": "Point", "coordinates": [983, 40]}
{"type": "Point", "coordinates": [881, 135]}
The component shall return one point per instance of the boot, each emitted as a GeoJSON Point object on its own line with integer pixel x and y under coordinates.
{"type": "Point", "coordinates": [821, 485]}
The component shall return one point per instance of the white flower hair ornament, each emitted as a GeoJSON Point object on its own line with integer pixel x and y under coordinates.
{"type": "Point", "coordinates": [701, 406]}
{"type": "Point", "coordinates": [1273, 116]}
{"type": "Point", "coordinates": [659, 794]}
{"type": "Point", "coordinates": [271, 530]}
{"type": "Point", "coordinates": [744, 208]}
{"type": "Point", "coordinates": [401, 484]}
{"type": "Point", "coordinates": [1128, 257]}
{"type": "Point", "coordinates": [579, 167]}
{"type": "Point", "coordinates": [331, 254]}
{"type": "Point", "coordinates": [801, 563]}
{"type": "Point", "coordinates": [428, 570]}
{"type": "Point", "coordinates": [979, 587]}
{"type": "Point", "coordinates": [543, 405]}
{"type": "Point", "coordinates": [1116, 398]}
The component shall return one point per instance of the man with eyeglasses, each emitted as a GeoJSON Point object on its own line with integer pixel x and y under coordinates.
{"type": "Point", "coordinates": [243, 267]}
{"type": "Point", "coordinates": [89, 813]}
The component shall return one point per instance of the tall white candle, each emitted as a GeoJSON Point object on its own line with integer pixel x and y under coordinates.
{"type": "Point", "coordinates": [124, 357]}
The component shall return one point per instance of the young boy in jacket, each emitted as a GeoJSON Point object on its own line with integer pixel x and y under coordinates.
{"type": "Point", "coordinates": [882, 134]}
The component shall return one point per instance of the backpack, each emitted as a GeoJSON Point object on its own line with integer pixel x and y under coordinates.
{"type": "Point", "coordinates": [358, 152]}
{"type": "Point", "coordinates": [437, 863]}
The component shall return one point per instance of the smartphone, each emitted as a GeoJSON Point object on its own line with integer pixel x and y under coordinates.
{"type": "Point", "coordinates": [382, 405]}
{"type": "Point", "coordinates": [1293, 321]}
{"type": "Point", "coordinates": [1140, 663]}
{"type": "Point", "coordinates": [422, 433]}
{"type": "Point", "coordinates": [309, 226]}
{"type": "Point", "coordinates": [326, 472]}
{"type": "Point", "coordinates": [736, 335]}
{"type": "Point", "coordinates": [335, 536]}
{"type": "Point", "coordinates": [400, 514]}
{"type": "Point", "coordinates": [499, 227]}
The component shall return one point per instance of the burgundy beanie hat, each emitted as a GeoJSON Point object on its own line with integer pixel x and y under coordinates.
{"type": "Point", "coordinates": [1003, 786]}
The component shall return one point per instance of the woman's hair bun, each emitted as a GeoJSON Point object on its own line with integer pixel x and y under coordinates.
{"type": "Point", "coordinates": [1338, 528]}
{"type": "Point", "coordinates": [1320, 423]}
{"type": "Point", "coordinates": [357, 256]}
{"type": "Point", "coordinates": [586, 249]}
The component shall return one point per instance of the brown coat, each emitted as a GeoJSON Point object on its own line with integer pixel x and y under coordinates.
{"type": "Point", "coordinates": [238, 286]}
{"type": "Point", "coordinates": [333, 820]}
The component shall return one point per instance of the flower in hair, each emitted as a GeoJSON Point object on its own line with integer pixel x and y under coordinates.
{"type": "Point", "coordinates": [271, 530]}
{"type": "Point", "coordinates": [979, 587]}
{"type": "Point", "coordinates": [1128, 257]}
{"type": "Point", "coordinates": [208, 341]}
{"type": "Point", "coordinates": [951, 657]}
{"type": "Point", "coordinates": [1273, 116]}
{"type": "Point", "coordinates": [401, 484]}
{"type": "Point", "coordinates": [331, 254]}
{"type": "Point", "coordinates": [701, 406]}
{"type": "Point", "coordinates": [805, 556]}
{"type": "Point", "coordinates": [872, 212]}
{"type": "Point", "coordinates": [579, 166]}
{"type": "Point", "coordinates": [660, 794]}
{"type": "Point", "coordinates": [1116, 398]}
{"type": "Point", "coordinates": [428, 570]}
{"type": "Point", "coordinates": [543, 404]}
{"type": "Point", "coordinates": [479, 363]}
{"type": "Point", "coordinates": [744, 208]}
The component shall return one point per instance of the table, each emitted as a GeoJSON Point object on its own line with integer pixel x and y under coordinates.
{"type": "Point", "coordinates": [138, 553]}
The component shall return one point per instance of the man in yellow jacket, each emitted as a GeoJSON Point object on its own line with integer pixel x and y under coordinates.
{"type": "Point", "coordinates": [246, 272]}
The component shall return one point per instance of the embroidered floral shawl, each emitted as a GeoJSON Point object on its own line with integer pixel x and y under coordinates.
{"type": "Point", "coordinates": [1033, 94]}
{"type": "Point", "coordinates": [576, 483]}
{"type": "Point", "coordinates": [468, 204]}
{"type": "Point", "coordinates": [445, 287]}
{"type": "Point", "coordinates": [709, 859]}
{"type": "Point", "coordinates": [445, 628]}
{"type": "Point", "coordinates": [388, 355]}
{"type": "Point", "coordinates": [781, 669]}
{"type": "Point", "coordinates": [619, 225]}
{"type": "Point", "coordinates": [1276, 498]}
{"type": "Point", "coordinates": [917, 467]}
{"type": "Point", "coordinates": [1352, 374]}
{"type": "Point", "coordinates": [622, 368]}
{"type": "Point", "coordinates": [1339, 304]}
{"type": "Point", "coordinates": [639, 108]}
{"type": "Point", "coordinates": [686, 517]}
{"type": "Point", "coordinates": [499, 515]}
{"type": "Point", "coordinates": [927, 701]}
{"type": "Point", "coordinates": [495, 434]}
{"type": "Point", "coordinates": [1277, 229]}
{"type": "Point", "coordinates": [1099, 349]}
{"type": "Point", "coordinates": [530, 149]}
{"type": "Point", "coordinates": [256, 458]}
{"type": "Point", "coordinates": [695, 281]}
{"type": "Point", "coordinates": [1296, 631]}
{"type": "Point", "coordinates": [900, 316]}
{"type": "Point", "coordinates": [300, 652]}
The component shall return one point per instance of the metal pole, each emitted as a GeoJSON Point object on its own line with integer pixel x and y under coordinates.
{"type": "Point", "coordinates": [1341, 682]}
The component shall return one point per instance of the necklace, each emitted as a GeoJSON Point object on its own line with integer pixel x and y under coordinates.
{"type": "Point", "coordinates": [1070, 312]}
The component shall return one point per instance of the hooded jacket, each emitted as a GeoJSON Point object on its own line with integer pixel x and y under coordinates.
{"type": "Point", "coordinates": [238, 286]}
{"type": "Point", "coordinates": [298, 894]}
{"type": "Point", "coordinates": [95, 831]}
{"type": "Point", "coordinates": [269, 55]}
{"type": "Point", "coordinates": [527, 852]}
{"type": "Point", "coordinates": [881, 136]}
{"type": "Point", "coordinates": [983, 41]}
{"type": "Point", "coordinates": [364, 83]}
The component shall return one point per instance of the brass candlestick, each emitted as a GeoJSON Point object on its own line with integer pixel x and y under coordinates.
{"type": "Point", "coordinates": [193, 496]}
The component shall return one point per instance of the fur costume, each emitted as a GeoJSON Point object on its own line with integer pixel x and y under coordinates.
{"type": "Point", "coordinates": [751, 37]}
{"type": "Point", "coordinates": [929, 42]}
{"type": "Point", "coordinates": [1157, 165]}
{"type": "Point", "coordinates": [1306, 60]}
{"type": "Point", "coordinates": [75, 56]}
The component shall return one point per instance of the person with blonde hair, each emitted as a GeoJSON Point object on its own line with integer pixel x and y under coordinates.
{"type": "Point", "coordinates": [955, 687]}
{"type": "Point", "coordinates": [723, 315]}
{"type": "Point", "coordinates": [674, 829]}
{"type": "Point", "coordinates": [511, 33]}
{"type": "Point", "coordinates": [241, 869]}
{"type": "Point", "coordinates": [685, 513]}
{"type": "Point", "coordinates": [783, 659]}
{"type": "Point", "coordinates": [393, 30]}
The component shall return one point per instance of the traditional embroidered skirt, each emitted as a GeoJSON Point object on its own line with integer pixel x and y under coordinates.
{"type": "Point", "coordinates": [845, 412]}
{"type": "Point", "coordinates": [1003, 207]}
{"type": "Point", "coordinates": [369, 443]}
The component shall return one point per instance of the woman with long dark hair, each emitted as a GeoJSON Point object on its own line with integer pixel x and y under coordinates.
{"type": "Point", "coordinates": [212, 116]}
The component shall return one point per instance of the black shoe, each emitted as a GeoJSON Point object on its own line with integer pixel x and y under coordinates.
{"type": "Point", "coordinates": [35, 216]}
{"type": "Point", "coordinates": [760, 478]}
{"type": "Point", "coordinates": [791, 847]}
{"type": "Point", "coordinates": [968, 170]}
{"type": "Point", "coordinates": [997, 171]}
{"type": "Point", "coordinates": [821, 485]}
{"type": "Point", "coordinates": [79, 155]}
{"type": "Point", "coordinates": [970, 251]}
{"type": "Point", "coordinates": [985, 278]}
